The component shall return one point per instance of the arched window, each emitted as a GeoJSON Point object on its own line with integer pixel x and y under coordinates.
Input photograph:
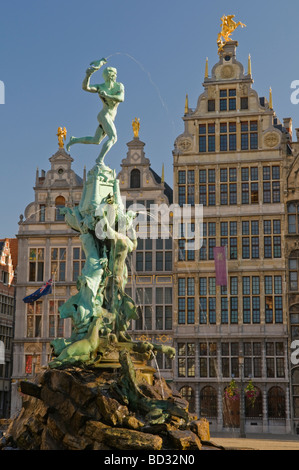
{"type": "Point", "coordinates": [208, 403]}
{"type": "Point", "coordinates": [276, 403]}
{"type": "Point", "coordinates": [256, 410]}
{"type": "Point", "coordinates": [135, 178]}
{"type": "Point", "coordinates": [188, 394]}
{"type": "Point", "coordinates": [59, 203]}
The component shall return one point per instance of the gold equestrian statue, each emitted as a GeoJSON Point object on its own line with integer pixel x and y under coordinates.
{"type": "Point", "coordinates": [228, 26]}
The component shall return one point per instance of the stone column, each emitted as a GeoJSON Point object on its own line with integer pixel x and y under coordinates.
{"type": "Point", "coordinates": [197, 400]}
{"type": "Point", "coordinates": [288, 411]}
{"type": "Point", "coordinates": [265, 410]}
{"type": "Point", "coordinates": [69, 257]}
{"type": "Point", "coordinates": [220, 409]}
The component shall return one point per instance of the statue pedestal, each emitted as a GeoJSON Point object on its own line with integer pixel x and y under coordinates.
{"type": "Point", "coordinates": [84, 409]}
{"type": "Point", "coordinates": [140, 366]}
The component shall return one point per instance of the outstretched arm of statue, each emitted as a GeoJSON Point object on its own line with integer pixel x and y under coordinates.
{"type": "Point", "coordinates": [94, 66]}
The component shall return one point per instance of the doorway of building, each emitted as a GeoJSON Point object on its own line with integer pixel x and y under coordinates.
{"type": "Point", "coordinates": [231, 412]}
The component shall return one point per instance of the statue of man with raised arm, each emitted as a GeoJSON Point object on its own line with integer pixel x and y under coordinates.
{"type": "Point", "coordinates": [111, 93]}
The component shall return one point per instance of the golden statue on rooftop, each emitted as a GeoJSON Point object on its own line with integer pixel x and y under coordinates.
{"type": "Point", "coordinates": [136, 127]}
{"type": "Point", "coordinates": [228, 26]}
{"type": "Point", "coordinates": [61, 134]}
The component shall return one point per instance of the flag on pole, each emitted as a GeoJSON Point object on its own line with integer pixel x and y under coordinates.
{"type": "Point", "coordinates": [44, 290]}
{"type": "Point", "coordinates": [220, 265]}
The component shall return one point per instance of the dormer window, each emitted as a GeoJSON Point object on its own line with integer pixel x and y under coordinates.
{"type": "Point", "coordinates": [211, 105]}
{"type": "Point", "coordinates": [244, 102]}
{"type": "Point", "coordinates": [228, 101]}
{"type": "Point", "coordinates": [135, 178]}
{"type": "Point", "coordinates": [59, 204]}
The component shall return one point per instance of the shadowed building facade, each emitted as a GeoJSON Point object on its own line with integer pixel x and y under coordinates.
{"type": "Point", "coordinates": [232, 158]}
{"type": "Point", "coordinates": [8, 277]}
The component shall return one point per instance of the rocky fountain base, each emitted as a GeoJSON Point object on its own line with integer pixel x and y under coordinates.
{"type": "Point", "coordinates": [93, 409]}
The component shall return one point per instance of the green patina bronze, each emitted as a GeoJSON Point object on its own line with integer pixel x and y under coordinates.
{"type": "Point", "coordinates": [101, 311]}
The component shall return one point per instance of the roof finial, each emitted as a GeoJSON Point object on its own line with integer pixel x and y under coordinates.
{"type": "Point", "coordinates": [186, 105]}
{"type": "Point", "coordinates": [270, 99]}
{"type": "Point", "coordinates": [249, 65]}
{"type": "Point", "coordinates": [207, 68]}
{"type": "Point", "coordinates": [163, 177]}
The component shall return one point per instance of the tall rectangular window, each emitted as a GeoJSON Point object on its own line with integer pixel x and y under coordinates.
{"type": "Point", "coordinates": [273, 299]}
{"type": "Point", "coordinates": [34, 319]}
{"type": "Point", "coordinates": [42, 212]}
{"type": "Point", "coordinates": [186, 359]}
{"type": "Point", "coordinates": [186, 301]}
{"type": "Point", "coordinates": [228, 100]}
{"type": "Point", "coordinates": [271, 184]}
{"type": "Point", "coordinates": [78, 262]}
{"type": "Point", "coordinates": [182, 187]}
{"type": "Point", "coordinates": [244, 136]}
{"type": "Point", "coordinates": [234, 300]}
{"type": "Point", "coordinates": [186, 188]}
{"type": "Point", "coordinates": [223, 137]}
{"type": "Point", "coordinates": [233, 241]}
{"type": "Point", "coordinates": [223, 100]}
{"type": "Point", "coordinates": [250, 240]}
{"type": "Point", "coordinates": [202, 138]}
{"type": "Point", "coordinates": [211, 137]}
{"type": "Point", "coordinates": [211, 187]}
{"type": "Point", "coordinates": [207, 187]}
{"type": "Point", "coordinates": [207, 138]}
{"type": "Point", "coordinates": [250, 194]}
{"type": "Point", "coordinates": [144, 302]}
{"type": "Point", "coordinates": [190, 187]}
{"type": "Point", "coordinates": [203, 187]}
{"type": "Point", "coordinates": [163, 308]}
{"type": "Point", "coordinates": [36, 264]}
{"type": "Point", "coordinates": [251, 299]}
{"type": "Point", "coordinates": [232, 136]}
{"type": "Point", "coordinates": [272, 239]}
{"type": "Point", "coordinates": [249, 135]}
{"type": "Point", "coordinates": [207, 300]}
{"type": "Point", "coordinates": [244, 102]}
{"type": "Point", "coordinates": [56, 324]}
{"type": "Point", "coordinates": [58, 263]}
{"type": "Point", "coordinates": [211, 105]}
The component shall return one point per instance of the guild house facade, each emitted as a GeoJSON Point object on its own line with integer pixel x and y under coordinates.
{"type": "Point", "coordinates": [237, 160]}
{"type": "Point", "coordinates": [49, 249]}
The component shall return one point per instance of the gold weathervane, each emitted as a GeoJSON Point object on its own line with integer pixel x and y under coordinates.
{"type": "Point", "coordinates": [61, 134]}
{"type": "Point", "coordinates": [136, 127]}
{"type": "Point", "coordinates": [228, 26]}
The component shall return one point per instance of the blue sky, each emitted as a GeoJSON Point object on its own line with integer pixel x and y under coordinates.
{"type": "Point", "coordinates": [159, 49]}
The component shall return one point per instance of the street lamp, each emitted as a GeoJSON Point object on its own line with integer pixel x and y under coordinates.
{"type": "Point", "coordinates": [242, 404]}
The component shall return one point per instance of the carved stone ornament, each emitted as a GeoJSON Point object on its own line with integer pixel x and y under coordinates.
{"type": "Point", "coordinates": [211, 92]}
{"type": "Point", "coordinates": [271, 139]}
{"type": "Point", "coordinates": [244, 90]}
{"type": "Point", "coordinates": [227, 72]}
{"type": "Point", "coordinates": [184, 144]}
